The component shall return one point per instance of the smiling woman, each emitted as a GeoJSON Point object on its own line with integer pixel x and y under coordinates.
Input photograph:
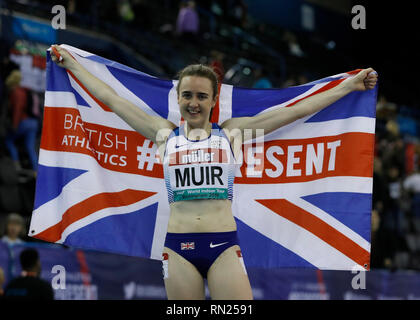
{"type": "Point", "coordinates": [196, 101]}
{"type": "Point", "coordinates": [197, 93]}
{"type": "Point", "coordinates": [199, 168]}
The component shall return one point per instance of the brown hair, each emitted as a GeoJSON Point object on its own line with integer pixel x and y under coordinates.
{"type": "Point", "coordinates": [199, 70]}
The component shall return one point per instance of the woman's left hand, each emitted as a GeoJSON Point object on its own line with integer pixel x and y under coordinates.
{"type": "Point", "coordinates": [366, 79]}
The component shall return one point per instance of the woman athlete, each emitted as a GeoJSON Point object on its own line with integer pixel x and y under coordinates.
{"type": "Point", "coordinates": [201, 237]}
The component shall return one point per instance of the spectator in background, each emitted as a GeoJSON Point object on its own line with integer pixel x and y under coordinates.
{"type": "Point", "coordinates": [6, 67]}
{"type": "Point", "coordinates": [29, 286]}
{"type": "Point", "coordinates": [126, 12]}
{"type": "Point", "coordinates": [14, 229]}
{"type": "Point", "coordinates": [385, 244]}
{"type": "Point", "coordinates": [262, 81]}
{"type": "Point", "coordinates": [382, 246]}
{"type": "Point", "coordinates": [302, 79]}
{"type": "Point", "coordinates": [290, 82]}
{"type": "Point", "coordinates": [239, 12]}
{"type": "Point", "coordinates": [384, 108]}
{"type": "Point", "coordinates": [380, 194]}
{"type": "Point", "coordinates": [216, 63]}
{"type": "Point", "coordinates": [393, 214]}
{"type": "Point", "coordinates": [1, 282]}
{"type": "Point", "coordinates": [23, 123]}
{"type": "Point", "coordinates": [188, 23]}
{"type": "Point", "coordinates": [392, 129]}
{"type": "Point", "coordinates": [411, 185]}
{"type": "Point", "coordinates": [293, 44]}
{"type": "Point", "coordinates": [71, 7]}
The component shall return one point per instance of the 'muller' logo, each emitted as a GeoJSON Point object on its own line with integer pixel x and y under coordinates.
{"type": "Point", "coordinates": [206, 155]}
{"type": "Point", "coordinates": [198, 156]}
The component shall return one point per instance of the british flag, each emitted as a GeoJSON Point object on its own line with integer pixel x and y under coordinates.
{"type": "Point", "coordinates": [302, 195]}
{"type": "Point", "coordinates": [187, 245]}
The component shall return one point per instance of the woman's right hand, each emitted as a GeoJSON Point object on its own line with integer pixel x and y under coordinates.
{"type": "Point", "coordinates": [67, 60]}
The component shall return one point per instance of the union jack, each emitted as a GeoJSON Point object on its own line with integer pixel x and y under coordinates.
{"type": "Point", "coordinates": [301, 199]}
{"type": "Point", "coordinates": [187, 245]}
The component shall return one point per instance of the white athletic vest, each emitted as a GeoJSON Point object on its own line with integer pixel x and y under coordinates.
{"type": "Point", "coordinates": [198, 169]}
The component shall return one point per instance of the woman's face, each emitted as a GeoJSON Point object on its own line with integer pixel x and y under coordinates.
{"type": "Point", "coordinates": [195, 99]}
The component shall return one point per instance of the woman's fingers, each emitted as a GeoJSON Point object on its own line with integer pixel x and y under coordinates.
{"type": "Point", "coordinates": [365, 79]}
{"type": "Point", "coordinates": [61, 57]}
{"type": "Point", "coordinates": [56, 53]}
{"type": "Point", "coordinates": [369, 71]}
{"type": "Point", "coordinates": [371, 78]}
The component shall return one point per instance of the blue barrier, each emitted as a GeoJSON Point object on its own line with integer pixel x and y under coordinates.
{"type": "Point", "coordinates": [90, 275]}
{"type": "Point", "coordinates": [96, 275]}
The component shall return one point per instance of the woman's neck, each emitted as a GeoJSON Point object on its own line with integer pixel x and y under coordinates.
{"type": "Point", "coordinates": [199, 133]}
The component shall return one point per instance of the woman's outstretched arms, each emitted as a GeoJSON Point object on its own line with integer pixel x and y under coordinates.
{"type": "Point", "coordinates": [269, 121]}
{"type": "Point", "coordinates": [145, 124]}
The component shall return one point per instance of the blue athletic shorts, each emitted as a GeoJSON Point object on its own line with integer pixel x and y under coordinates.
{"type": "Point", "coordinates": [201, 249]}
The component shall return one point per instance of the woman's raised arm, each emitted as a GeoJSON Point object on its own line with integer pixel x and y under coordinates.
{"type": "Point", "coordinates": [145, 124]}
{"type": "Point", "coordinates": [269, 121]}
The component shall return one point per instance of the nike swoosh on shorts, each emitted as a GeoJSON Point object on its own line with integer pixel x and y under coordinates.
{"type": "Point", "coordinates": [217, 245]}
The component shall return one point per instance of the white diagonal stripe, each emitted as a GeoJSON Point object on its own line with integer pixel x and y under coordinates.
{"type": "Point", "coordinates": [101, 72]}
{"type": "Point", "coordinates": [301, 96]}
{"type": "Point", "coordinates": [225, 103]}
{"type": "Point", "coordinates": [330, 220]}
{"type": "Point", "coordinates": [95, 114]}
{"type": "Point", "coordinates": [293, 193]}
{"type": "Point", "coordinates": [295, 238]}
{"type": "Point", "coordinates": [106, 212]}
{"type": "Point", "coordinates": [78, 51]}
{"type": "Point", "coordinates": [60, 99]}
{"type": "Point", "coordinates": [292, 189]}
{"type": "Point", "coordinates": [173, 108]}
{"type": "Point", "coordinates": [330, 184]}
{"type": "Point", "coordinates": [97, 178]}
{"type": "Point", "coordinates": [300, 130]}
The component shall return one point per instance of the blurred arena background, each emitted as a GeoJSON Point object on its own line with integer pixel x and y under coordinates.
{"type": "Point", "coordinates": [250, 43]}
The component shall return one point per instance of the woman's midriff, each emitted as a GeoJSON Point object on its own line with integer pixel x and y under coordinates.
{"type": "Point", "coordinates": [201, 216]}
